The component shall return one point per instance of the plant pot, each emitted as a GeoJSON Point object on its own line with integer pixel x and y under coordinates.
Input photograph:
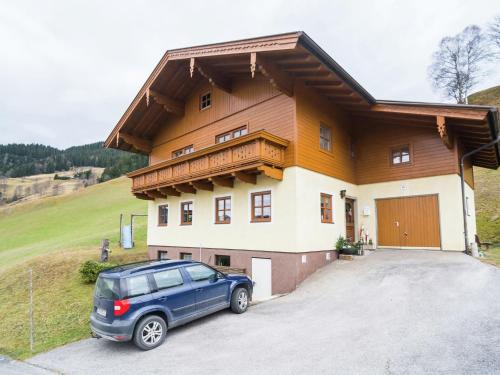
{"type": "Point", "coordinates": [349, 251]}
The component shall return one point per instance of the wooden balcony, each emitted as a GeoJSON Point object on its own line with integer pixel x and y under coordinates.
{"type": "Point", "coordinates": [241, 158]}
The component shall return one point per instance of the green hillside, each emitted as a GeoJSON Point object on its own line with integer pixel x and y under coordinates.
{"type": "Point", "coordinates": [53, 237]}
{"type": "Point", "coordinates": [76, 221]}
{"type": "Point", "coordinates": [487, 182]}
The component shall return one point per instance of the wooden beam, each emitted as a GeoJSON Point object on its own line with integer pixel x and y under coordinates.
{"type": "Point", "coordinates": [168, 190]}
{"type": "Point", "coordinates": [324, 83]}
{"type": "Point", "coordinates": [155, 194]}
{"type": "Point", "coordinates": [201, 185]}
{"type": "Point", "coordinates": [143, 196]}
{"type": "Point", "coordinates": [443, 131]}
{"type": "Point", "coordinates": [141, 144]}
{"type": "Point", "coordinates": [171, 105]}
{"type": "Point", "coordinates": [221, 181]}
{"type": "Point", "coordinates": [275, 173]}
{"type": "Point", "coordinates": [245, 177]}
{"type": "Point", "coordinates": [214, 77]}
{"type": "Point", "coordinates": [279, 79]}
{"type": "Point", "coordinates": [185, 188]}
{"type": "Point", "coordinates": [471, 114]}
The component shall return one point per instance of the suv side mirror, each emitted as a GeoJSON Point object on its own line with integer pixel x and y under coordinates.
{"type": "Point", "coordinates": [219, 275]}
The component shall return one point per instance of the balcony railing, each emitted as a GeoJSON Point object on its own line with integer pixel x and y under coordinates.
{"type": "Point", "coordinates": [258, 152]}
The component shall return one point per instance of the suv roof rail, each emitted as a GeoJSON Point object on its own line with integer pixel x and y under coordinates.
{"type": "Point", "coordinates": [122, 266]}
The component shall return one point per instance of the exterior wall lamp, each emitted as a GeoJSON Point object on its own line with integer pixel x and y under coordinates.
{"type": "Point", "coordinates": [342, 194]}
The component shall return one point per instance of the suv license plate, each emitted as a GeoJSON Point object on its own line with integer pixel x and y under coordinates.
{"type": "Point", "coordinates": [101, 311]}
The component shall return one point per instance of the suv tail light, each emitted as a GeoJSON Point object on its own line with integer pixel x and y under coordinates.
{"type": "Point", "coordinates": [121, 306]}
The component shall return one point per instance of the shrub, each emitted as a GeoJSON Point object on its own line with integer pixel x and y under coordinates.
{"type": "Point", "coordinates": [91, 269]}
{"type": "Point", "coordinates": [341, 243]}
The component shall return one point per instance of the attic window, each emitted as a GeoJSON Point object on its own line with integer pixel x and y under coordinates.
{"type": "Point", "coordinates": [400, 155]}
{"type": "Point", "coordinates": [205, 101]}
{"type": "Point", "coordinates": [183, 151]}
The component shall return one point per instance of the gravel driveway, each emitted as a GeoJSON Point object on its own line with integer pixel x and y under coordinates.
{"type": "Point", "coordinates": [391, 312]}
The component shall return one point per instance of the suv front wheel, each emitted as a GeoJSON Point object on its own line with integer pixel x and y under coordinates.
{"type": "Point", "coordinates": [239, 300]}
{"type": "Point", "coordinates": [150, 332]}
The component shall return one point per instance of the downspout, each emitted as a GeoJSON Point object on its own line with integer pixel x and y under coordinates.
{"type": "Point", "coordinates": [462, 182]}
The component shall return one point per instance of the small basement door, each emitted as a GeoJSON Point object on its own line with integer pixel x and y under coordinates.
{"type": "Point", "coordinates": [409, 222]}
{"type": "Point", "coordinates": [262, 277]}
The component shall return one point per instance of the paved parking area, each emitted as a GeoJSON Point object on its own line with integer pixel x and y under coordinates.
{"type": "Point", "coordinates": [391, 312]}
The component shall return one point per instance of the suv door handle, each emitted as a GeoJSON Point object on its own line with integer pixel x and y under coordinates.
{"type": "Point", "coordinates": [162, 299]}
{"type": "Point", "coordinates": [199, 289]}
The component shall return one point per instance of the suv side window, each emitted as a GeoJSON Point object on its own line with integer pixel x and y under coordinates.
{"type": "Point", "coordinates": [200, 272]}
{"type": "Point", "coordinates": [168, 278]}
{"type": "Point", "coordinates": [137, 286]}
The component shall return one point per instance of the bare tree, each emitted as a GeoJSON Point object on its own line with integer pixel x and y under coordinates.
{"type": "Point", "coordinates": [494, 31]}
{"type": "Point", "coordinates": [459, 63]}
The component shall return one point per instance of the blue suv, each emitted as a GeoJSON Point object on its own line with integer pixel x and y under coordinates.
{"type": "Point", "coordinates": [141, 301]}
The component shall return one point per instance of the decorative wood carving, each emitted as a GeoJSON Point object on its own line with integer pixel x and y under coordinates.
{"type": "Point", "coordinates": [442, 129]}
{"type": "Point", "coordinates": [276, 76]}
{"type": "Point", "coordinates": [253, 62]}
{"type": "Point", "coordinates": [214, 78]}
{"type": "Point", "coordinates": [140, 144]}
{"type": "Point", "coordinates": [171, 105]}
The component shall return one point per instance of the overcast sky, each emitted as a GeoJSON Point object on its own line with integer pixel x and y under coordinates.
{"type": "Point", "coordinates": [69, 69]}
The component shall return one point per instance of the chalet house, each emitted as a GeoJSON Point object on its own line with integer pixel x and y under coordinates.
{"type": "Point", "coordinates": [262, 152]}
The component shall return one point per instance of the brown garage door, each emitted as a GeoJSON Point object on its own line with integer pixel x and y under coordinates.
{"type": "Point", "coordinates": [408, 221]}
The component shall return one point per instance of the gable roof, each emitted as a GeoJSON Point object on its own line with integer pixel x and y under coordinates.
{"type": "Point", "coordinates": [284, 58]}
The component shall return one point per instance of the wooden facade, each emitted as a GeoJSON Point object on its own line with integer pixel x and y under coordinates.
{"type": "Point", "coordinates": [282, 90]}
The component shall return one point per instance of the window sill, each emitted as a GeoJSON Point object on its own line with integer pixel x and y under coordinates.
{"type": "Point", "coordinates": [186, 224]}
{"type": "Point", "coordinates": [163, 225]}
{"type": "Point", "coordinates": [222, 222]}
{"type": "Point", "coordinates": [327, 222]}
{"type": "Point", "coordinates": [260, 221]}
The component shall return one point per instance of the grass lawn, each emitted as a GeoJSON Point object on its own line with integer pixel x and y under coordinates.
{"type": "Point", "coordinates": [75, 221]}
{"type": "Point", "coordinates": [61, 301]}
{"type": "Point", "coordinates": [54, 236]}
{"type": "Point", "coordinates": [492, 256]}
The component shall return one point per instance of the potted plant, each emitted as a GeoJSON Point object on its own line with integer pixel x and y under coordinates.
{"type": "Point", "coordinates": [343, 246]}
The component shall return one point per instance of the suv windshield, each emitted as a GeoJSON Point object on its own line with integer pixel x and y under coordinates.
{"type": "Point", "coordinates": [107, 288]}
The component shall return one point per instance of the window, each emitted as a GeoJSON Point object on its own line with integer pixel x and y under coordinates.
{"type": "Point", "coordinates": [400, 155]}
{"type": "Point", "coordinates": [168, 278]}
{"type": "Point", "coordinates": [326, 208]}
{"type": "Point", "coordinates": [107, 288]}
{"type": "Point", "coordinates": [200, 272]}
{"type": "Point", "coordinates": [325, 137]}
{"type": "Point", "coordinates": [186, 256]}
{"type": "Point", "coordinates": [183, 151]}
{"type": "Point", "coordinates": [163, 215]}
{"type": "Point", "coordinates": [223, 210]}
{"type": "Point", "coordinates": [162, 255]}
{"type": "Point", "coordinates": [261, 206]}
{"type": "Point", "coordinates": [137, 286]}
{"type": "Point", "coordinates": [186, 213]}
{"type": "Point", "coordinates": [223, 260]}
{"type": "Point", "coordinates": [231, 134]}
{"type": "Point", "coordinates": [205, 101]}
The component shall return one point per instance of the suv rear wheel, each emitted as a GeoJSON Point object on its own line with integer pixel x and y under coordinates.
{"type": "Point", "coordinates": [239, 300]}
{"type": "Point", "coordinates": [150, 332]}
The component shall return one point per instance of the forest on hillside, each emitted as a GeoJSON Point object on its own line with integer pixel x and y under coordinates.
{"type": "Point", "coordinates": [20, 160]}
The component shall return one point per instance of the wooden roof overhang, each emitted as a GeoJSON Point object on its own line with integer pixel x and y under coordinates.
{"type": "Point", "coordinates": [474, 125]}
{"type": "Point", "coordinates": [284, 59]}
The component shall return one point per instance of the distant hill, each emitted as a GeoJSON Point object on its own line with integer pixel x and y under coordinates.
{"type": "Point", "coordinates": [487, 188]}
{"type": "Point", "coordinates": [21, 160]}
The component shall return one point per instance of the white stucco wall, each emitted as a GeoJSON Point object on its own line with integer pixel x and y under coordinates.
{"type": "Point", "coordinates": [296, 224]}
{"type": "Point", "coordinates": [450, 204]}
